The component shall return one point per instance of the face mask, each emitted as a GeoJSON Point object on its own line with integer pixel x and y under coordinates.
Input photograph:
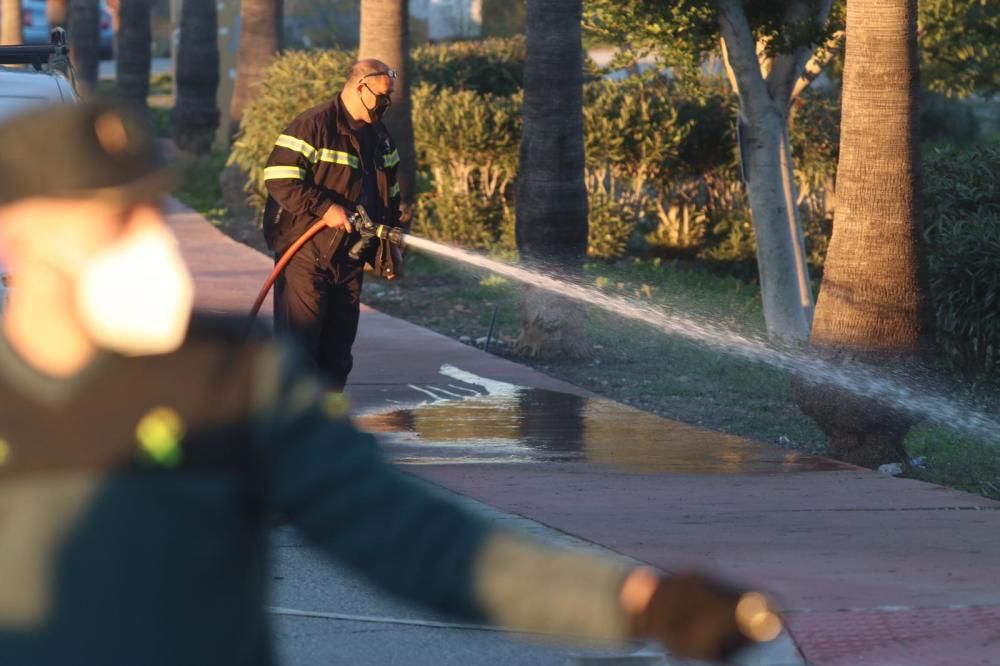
{"type": "Point", "coordinates": [382, 104]}
{"type": "Point", "coordinates": [135, 297]}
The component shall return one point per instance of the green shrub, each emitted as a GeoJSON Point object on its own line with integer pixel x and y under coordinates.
{"type": "Point", "coordinates": [465, 219]}
{"type": "Point", "coordinates": [962, 230]}
{"type": "Point", "coordinates": [610, 227]}
{"type": "Point", "coordinates": [468, 144]}
{"type": "Point", "coordinates": [494, 66]}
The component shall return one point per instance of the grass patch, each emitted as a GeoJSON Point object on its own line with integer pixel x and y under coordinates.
{"type": "Point", "coordinates": [197, 184]}
{"type": "Point", "coordinates": [956, 460]}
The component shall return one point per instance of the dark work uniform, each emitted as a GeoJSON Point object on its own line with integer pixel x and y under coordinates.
{"type": "Point", "coordinates": [319, 160]}
{"type": "Point", "coordinates": [134, 498]}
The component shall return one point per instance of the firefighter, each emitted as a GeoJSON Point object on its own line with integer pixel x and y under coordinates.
{"type": "Point", "coordinates": [330, 159]}
{"type": "Point", "coordinates": [144, 451]}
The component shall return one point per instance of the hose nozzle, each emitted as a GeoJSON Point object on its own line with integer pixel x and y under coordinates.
{"type": "Point", "coordinates": [370, 232]}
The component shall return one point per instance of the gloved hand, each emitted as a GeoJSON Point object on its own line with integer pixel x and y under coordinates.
{"type": "Point", "coordinates": [695, 616]}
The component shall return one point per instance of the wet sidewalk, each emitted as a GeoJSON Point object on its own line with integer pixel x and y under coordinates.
{"type": "Point", "coordinates": [873, 570]}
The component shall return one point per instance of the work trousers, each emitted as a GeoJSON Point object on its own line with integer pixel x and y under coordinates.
{"type": "Point", "coordinates": [317, 303]}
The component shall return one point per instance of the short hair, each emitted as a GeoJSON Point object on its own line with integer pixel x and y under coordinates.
{"type": "Point", "coordinates": [364, 68]}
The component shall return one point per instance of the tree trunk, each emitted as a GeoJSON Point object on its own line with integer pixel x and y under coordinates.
{"type": "Point", "coordinates": [85, 43]}
{"type": "Point", "coordinates": [195, 117]}
{"type": "Point", "coordinates": [781, 264]}
{"type": "Point", "coordinates": [261, 27]}
{"type": "Point", "coordinates": [385, 36]}
{"type": "Point", "coordinates": [766, 84]}
{"type": "Point", "coordinates": [135, 41]}
{"type": "Point", "coordinates": [57, 11]}
{"type": "Point", "coordinates": [872, 304]}
{"type": "Point", "coordinates": [551, 225]}
{"type": "Point", "coordinates": [12, 22]}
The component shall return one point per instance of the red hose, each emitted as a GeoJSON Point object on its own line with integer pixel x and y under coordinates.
{"type": "Point", "coordinates": [280, 266]}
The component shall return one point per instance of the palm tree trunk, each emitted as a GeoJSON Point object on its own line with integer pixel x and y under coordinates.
{"type": "Point", "coordinates": [10, 31]}
{"type": "Point", "coordinates": [195, 117]}
{"type": "Point", "coordinates": [872, 304]}
{"type": "Point", "coordinates": [135, 38]}
{"type": "Point", "coordinates": [261, 27]}
{"type": "Point", "coordinates": [385, 36]}
{"type": "Point", "coordinates": [85, 43]}
{"type": "Point", "coordinates": [551, 225]}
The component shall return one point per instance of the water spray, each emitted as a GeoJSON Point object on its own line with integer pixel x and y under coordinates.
{"type": "Point", "coordinates": [854, 379]}
{"type": "Point", "coordinates": [857, 380]}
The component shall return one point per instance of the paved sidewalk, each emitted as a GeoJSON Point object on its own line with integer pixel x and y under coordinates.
{"type": "Point", "coordinates": [874, 570]}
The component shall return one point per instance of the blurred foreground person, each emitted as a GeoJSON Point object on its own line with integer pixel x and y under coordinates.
{"type": "Point", "coordinates": [143, 450]}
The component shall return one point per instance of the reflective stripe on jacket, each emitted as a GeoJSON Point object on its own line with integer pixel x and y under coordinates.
{"type": "Point", "coordinates": [315, 162]}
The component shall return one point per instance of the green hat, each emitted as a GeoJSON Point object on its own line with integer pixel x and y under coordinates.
{"type": "Point", "coordinates": [79, 151]}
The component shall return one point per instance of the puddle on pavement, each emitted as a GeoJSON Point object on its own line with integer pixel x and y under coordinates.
{"type": "Point", "coordinates": [535, 425]}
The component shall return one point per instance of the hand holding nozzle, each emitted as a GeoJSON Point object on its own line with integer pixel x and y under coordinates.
{"type": "Point", "coordinates": [698, 617]}
{"type": "Point", "coordinates": [371, 232]}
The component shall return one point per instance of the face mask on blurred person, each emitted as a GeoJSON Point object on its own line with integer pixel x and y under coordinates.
{"type": "Point", "coordinates": [136, 296]}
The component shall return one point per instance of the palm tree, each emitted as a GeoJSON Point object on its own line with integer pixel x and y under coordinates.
{"type": "Point", "coordinates": [551, 225]}
{"type": "Point", "coordinates": [872, 305]}
{"type": "Point", "coordinates": [385, 36]}
{"type": "Point", "coordinates": [195, 116]}
{"type": "Point", "coordinates": [261, 27]}
{"type": "Point", "coordinates": [135, 39]}
{"type": "Point", "coordinates": [10, 31]}
{"type": "Point", "coordinates": [85, 43]}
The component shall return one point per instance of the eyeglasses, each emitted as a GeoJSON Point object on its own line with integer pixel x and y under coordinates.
{"type": "Point", "coordinates": [391, 73]}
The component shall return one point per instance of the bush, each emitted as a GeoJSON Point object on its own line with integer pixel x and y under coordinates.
{"type": "Point", "coordinates": [610, 226]}
{"type": "Point", "coordinates": [468, 144]}
{"type": "Point", "coordinates": [493, 66]}
{"type": "Point", "coordinates": [962, 230]}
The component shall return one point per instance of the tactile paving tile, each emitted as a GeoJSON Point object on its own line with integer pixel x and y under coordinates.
{"type": "Point", "coordinates": [904, 637]}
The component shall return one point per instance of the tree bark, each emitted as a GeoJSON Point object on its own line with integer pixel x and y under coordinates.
{"type": "Point", "coordinates": [135, 40]}
{"type": "Point", "coordinates": [872, 304]}
{"type": "Point", "coordinates": [195, 116]}
{"type": "Point", "coordinates": [261, 28]}
{"type": "Point", "coordinates": [385, 36]}
{"type": "Point", "coordinates": [12, 22]}
{"type": "Point", "coordinates": [551, 224]}
{"type": "Point", "coordinates": [85, 43]}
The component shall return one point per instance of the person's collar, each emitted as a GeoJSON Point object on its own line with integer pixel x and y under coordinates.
{"type": "Point", "coordinates": [343, 122]}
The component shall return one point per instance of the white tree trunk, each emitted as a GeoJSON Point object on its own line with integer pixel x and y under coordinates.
{"type": "Point", "coordinates": [780, 260]}
{"type": "Point", "coordinates": [765, 85]}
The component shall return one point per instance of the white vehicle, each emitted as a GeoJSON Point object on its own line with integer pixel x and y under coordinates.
{"type": "Point", "coordinates": [31, 76]}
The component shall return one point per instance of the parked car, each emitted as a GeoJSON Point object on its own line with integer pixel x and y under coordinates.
{"type": "Point", "coordinates": [36, 26]}
{"type": "Point", "coordinates": [30, 76]}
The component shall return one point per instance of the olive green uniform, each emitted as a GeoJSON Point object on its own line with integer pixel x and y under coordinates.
{"type": "Point", "coordinates": [135, 495]}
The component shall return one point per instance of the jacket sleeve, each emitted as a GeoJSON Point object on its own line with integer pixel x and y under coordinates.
{"type": "Point", "coordinates": [288, 175]}
{"type": "Point", "coordinates": [329, 480]}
